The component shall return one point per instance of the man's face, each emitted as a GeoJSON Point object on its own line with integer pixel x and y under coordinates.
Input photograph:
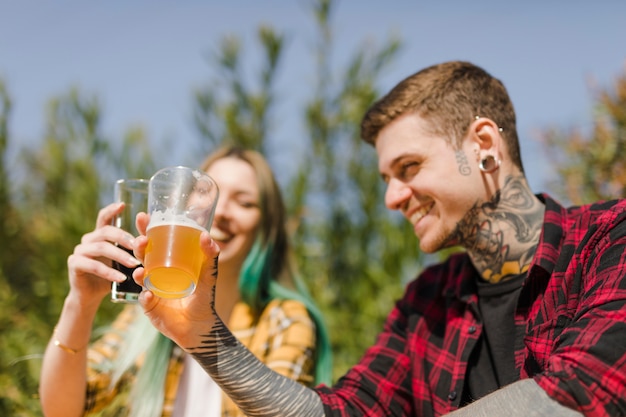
{"type": "Point", "coordinates": [433, 185]}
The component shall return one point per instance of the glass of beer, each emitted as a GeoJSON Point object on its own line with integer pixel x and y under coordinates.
{"type": "Point", "coordinates": [181, 203]}
{"type": "Point", "coordinates": [134, 193]}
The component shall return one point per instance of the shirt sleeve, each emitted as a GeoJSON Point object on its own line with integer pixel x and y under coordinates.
{"type": "Point", "coordinates": [380, 383]}
{"type": "Point", "coordinates": [284, 339]}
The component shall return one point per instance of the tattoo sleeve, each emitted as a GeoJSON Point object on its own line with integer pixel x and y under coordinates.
{"type": "Point", "coordinates": [256, 389]}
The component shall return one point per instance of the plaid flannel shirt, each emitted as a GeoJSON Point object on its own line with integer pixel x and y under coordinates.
{"type": "Point", "coordinates": [572, 304]}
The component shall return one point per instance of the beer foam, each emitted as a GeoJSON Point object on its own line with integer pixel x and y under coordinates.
{"type": "Point", "coordinates": [167, 217]}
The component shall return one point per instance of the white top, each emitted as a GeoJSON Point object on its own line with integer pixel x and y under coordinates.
{"type": "Point", "coordinates": [198, 395]}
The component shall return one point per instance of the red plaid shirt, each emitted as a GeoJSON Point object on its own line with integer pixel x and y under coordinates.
{"type": "Point", "coordinates": [573, 305]}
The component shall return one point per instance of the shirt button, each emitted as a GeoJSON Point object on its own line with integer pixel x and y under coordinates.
{"type": "Point", "coordinates": [471, 329]}
{"type": "Point", "coordinates": [452, 395]}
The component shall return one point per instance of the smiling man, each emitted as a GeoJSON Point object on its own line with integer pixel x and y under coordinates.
{"type": "Point", "coordinates": [528, 320]}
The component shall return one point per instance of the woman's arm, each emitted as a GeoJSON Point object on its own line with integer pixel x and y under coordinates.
{"type": "Point", "coordinates": [63, 375]}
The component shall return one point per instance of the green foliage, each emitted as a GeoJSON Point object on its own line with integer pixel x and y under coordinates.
{"type": "Point", "coordinates": [65, 181]}
{"type": "Point", "coordinates": [351, 252]}
{"type": "Point", "coordinates": [227, 111]}
{"type": "Point", "coordinates": [354, 253]}
{"type": "Point", "coordinates": [19, 325]}
{"type": "Point", "coordinates": [592, 166]}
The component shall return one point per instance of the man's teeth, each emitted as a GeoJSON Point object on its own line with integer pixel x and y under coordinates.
{"type": "Point", "coordinates": [417, 216]}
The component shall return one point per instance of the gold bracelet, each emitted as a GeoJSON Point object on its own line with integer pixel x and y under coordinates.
{"type": "Point", "coordinates": [60, 345]}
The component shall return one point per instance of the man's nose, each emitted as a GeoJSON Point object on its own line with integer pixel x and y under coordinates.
{"type": "Point", "coordinates": [397, 194]}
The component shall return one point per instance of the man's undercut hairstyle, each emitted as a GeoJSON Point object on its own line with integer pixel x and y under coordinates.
{"type": "Point", "coordinates": [449, 97]}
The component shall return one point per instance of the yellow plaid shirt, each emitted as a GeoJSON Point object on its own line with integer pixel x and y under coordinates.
{"type": "Point", "coordinates": [282, 337]}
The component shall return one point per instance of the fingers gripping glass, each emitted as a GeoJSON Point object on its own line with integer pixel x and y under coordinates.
{"type": "Point", "coordinates": [134, 194]}
{"type": "Point", "coordinates": [181, 202]}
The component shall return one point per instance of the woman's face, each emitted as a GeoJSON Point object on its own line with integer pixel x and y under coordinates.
{"type": "Point", "coordinates": [237, 213]}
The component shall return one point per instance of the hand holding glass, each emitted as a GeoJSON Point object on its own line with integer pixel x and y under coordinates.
{"type": "Point", "coordinates": [134, 194]}
{"type": "Point", "coordinates": [181, 203]}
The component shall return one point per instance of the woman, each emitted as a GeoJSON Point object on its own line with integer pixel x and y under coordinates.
{"type": "Point", "coordinates": [132, 369]}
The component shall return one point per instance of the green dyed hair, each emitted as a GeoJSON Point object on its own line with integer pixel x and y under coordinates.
{"type": "Point", "coordinates": [148, 391]}
{"type": "Point", "coordinates": [258, 288]}
{"type": "Point", "coordinates": [267, 273]}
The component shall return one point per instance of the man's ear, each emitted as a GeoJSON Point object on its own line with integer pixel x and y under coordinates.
{"type": "Point", "coordinates": [487, 143]}
{"type": "Point", "coordinates": [486, 133]}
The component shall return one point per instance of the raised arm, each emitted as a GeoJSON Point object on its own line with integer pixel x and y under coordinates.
{"type": "Point", "coordinates": [193, 324]}
{"type": "Point", "coordinates": [63, 375]}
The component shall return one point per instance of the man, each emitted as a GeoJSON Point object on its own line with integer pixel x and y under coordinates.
{"type": "Point", "coordinates": [529, 320]}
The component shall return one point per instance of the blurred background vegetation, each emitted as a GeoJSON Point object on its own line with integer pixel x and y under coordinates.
{"type": "Point", "coordinates": [354, 255]}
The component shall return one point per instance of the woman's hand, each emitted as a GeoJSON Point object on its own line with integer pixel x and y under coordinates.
{"type": "Point", "coordinates": [89, 266]}
{"type": "Point", "coordinates": [182, 319]}
{"type": "Point", "coordinates": [63, 380]}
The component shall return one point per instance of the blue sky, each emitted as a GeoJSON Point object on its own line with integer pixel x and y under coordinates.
{"type": "Point", "coordinates": [144, 58]}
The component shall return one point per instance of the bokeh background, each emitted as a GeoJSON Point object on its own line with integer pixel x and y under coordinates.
{"type": "Point", "coordinates": [91, 92]}
{"type": "Point", "coordinates": [143, 59]}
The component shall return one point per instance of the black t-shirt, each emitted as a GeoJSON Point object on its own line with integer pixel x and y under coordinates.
{"type": "Point", "coordinates": [492, 364]}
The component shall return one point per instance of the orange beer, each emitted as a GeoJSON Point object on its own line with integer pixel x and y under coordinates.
{"type": "Point", "coordinates": [173, 259]}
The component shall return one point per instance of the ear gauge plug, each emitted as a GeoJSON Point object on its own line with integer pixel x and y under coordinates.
{"type": "Point", "coordinates": [489, 164]}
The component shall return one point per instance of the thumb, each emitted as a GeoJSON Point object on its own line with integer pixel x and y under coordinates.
{"type": "Point", "coordinates": [148, 302]}
{"type": "Point", "coordinates": [208, 273]}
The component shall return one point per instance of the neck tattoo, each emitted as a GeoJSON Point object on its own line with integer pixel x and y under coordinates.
{"type": "Point", "coordinates": [501, 235]}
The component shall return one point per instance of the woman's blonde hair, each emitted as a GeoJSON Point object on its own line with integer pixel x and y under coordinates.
{"type": "Point", "coordinates": [268, 272]}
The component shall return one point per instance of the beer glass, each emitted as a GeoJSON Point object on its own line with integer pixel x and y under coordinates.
{"type": "Point", "coordinates": [181, 203]}
{"type": "Point", "coordinates": [134, 194]}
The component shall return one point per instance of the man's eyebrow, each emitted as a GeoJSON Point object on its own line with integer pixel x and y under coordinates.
{"type": "Point", "coordinates": [392, 164]}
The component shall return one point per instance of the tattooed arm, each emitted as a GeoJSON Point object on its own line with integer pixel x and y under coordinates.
{"type": "Point", "coordinates": [193, 324]}
{"type": "Point", "coordinates": [255, 388]}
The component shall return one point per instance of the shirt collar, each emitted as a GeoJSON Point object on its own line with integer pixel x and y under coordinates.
{"type": "Point", "coordinates": [551, 240]}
